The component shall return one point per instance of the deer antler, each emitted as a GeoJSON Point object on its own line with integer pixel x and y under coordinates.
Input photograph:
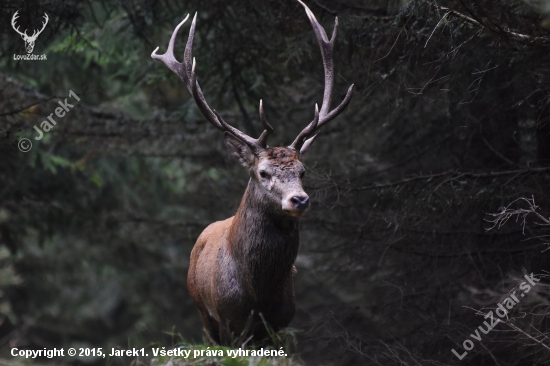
{"type": "Point", "coordinates": [35, 34]}
{"type": "Point", "coordinates": [186, 71]}
{"type": "Point", "coordinates": [13, 19]}
{"type": "Point", "coordinates": [308, 134]}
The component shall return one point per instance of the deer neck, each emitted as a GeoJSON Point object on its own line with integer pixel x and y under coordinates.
{"type": "Point", "coordinates": [263, 240]}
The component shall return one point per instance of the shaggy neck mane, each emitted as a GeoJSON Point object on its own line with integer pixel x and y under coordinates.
{"type": "Point", "coordinates": [263, 240]}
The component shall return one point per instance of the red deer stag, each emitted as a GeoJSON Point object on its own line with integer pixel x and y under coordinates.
{"type": "Point", "coordinates": [242, 268]}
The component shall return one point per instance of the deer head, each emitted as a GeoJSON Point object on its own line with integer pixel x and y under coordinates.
{"type": "Point", "coordinates": [276, 172]}
{"type": "Point", "coordinates": [29, 40]}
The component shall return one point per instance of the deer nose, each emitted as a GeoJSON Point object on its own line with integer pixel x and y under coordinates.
{"type": "Point", "coordinates": [300, 202]}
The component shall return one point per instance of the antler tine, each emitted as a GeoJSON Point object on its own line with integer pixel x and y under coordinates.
{"type": "Point", "coordinates": [191, 82]}
{"type": "Point", "coordinates": [188, 54]}
{"type": "Point", "coordinates": [306, 132]}
{"type": "Point", "coordinates": [36, 33]}
{"type": "Point", "coordinates": [327, 52]}
{"type": "Point", "coordinates": [13, 19]}
{"type": "Point", "coordinates": [327, 48]}
{"type": "Point", "coordinates": [168, 57]}
{"type": "Point", "coordinates": [262, 140]}
{"type": "Point", "coordinates": [254, 144]}
{"type": "Point", "coordinates": [186, 70]}
{"type": "Point", "coordinates": [336, 111]}
{"type": "Point", "coordinates": [195, 90]}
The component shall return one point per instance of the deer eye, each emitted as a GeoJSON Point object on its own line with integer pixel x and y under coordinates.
{"type": "Point", "coordinates": [263, 174]}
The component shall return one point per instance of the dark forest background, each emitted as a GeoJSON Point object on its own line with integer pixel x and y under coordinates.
{"type": "Point", "coordinates": [449, 123]}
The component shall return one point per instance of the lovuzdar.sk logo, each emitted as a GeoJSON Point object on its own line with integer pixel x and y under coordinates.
{"type": "Point", "coordinates": [29, 40]}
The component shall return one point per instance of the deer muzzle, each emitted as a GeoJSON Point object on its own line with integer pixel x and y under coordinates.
{"type": "Point", "coordinates": [296, 204]}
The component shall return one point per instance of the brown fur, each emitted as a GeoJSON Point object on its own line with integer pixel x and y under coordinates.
{"type": "Point", "coordinates": [243, 266]}
{"type": "Point", "coordinates": [282, 156]}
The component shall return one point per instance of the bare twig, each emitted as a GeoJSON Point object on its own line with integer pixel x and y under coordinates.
{"type": "Point", "coordinates": [437, 25]}
{"type": "Point", "coordinates": [448, 175]}
{"type": "Point", "coordinates": [512, 34]}
{"type": "Point", "coordinates": [507, 213]}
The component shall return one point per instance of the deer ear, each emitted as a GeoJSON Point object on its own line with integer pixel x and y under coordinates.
{"type": "Point", "coordinates": [307, 144]}
{"type": "Point", "coordinates": [238, 150]}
